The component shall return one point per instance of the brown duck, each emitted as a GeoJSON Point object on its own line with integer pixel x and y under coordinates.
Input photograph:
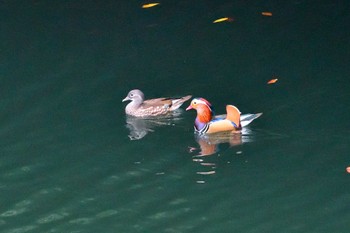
{"type": "Point", "coordinates": [139, 107]}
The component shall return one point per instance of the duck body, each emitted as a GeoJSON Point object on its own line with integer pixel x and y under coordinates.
{"type": "Point", "coordinates": [139, 107]}
{"type": "Point", "coordinates": [207, 123]}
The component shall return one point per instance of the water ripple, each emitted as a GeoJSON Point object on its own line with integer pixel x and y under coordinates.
{"type": "Point", "coordinates": [11, 213]}
{"type": "Point", "coordinates": [82, 221]}
{"type": "Point", "coordinates": [19, 208]}
{"type": "Point", "coordinates": [22, 229]}
{"type": "Point", "coordinates": [52, 217]}
{"type": "Point", "coordinates": [107, 213]}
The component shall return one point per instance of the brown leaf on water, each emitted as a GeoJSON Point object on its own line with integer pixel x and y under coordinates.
{"type": "Point", "coordinates": [220, 20]}
{"type": "Point", "coordinates": [149, 5]}
{"type": "Point", "coordinates": [272, 81]}
{"type": "Point", "coordinates": [266, 13]}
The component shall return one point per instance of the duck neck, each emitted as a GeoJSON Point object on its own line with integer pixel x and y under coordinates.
{"type": "Point", "coordinates": [198, 124]}
{"type": "Point", "coordinates": [204, 116]}
{"type": "Point", "coordinates": [132, 106]}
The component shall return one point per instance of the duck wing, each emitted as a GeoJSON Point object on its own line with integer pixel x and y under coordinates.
{"type": "Point", "coordinates": [246, 119]}
{"type": "Point", "coordinates": [172, 103]}
{"type": "Point", "coordinates": [159, 102]}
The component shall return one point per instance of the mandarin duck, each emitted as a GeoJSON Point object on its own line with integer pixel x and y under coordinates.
{"type": "Point", "coordinates": [139, 107]}
{"type": "Point", "coordinates": [207, 123]}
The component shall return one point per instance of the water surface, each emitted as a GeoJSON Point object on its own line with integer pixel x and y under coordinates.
{"type": "Point", "coordinates": [67, 163]}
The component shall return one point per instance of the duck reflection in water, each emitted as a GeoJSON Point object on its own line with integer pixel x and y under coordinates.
{"type": "Point", "coordinates": [140, 127]}
{"type": "Point", "coordinates": [209, 143]}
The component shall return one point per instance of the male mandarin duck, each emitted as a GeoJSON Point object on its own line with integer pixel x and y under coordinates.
{"type": "Point", "coordinates": [139, 107]}
{"type": "Point", "coordinates": [207, 123]}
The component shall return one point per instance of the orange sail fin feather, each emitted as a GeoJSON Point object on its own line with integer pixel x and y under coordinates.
{"type": "Point", "coordinates": [233, 114]}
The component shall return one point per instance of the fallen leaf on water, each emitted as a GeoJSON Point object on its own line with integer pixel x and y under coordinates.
{"type": "Point", "coordinates": [223, 20]}
{"type": "Point", "coordinates": [149, 5]}
{"type": "Point", "coordinates": [266, 13]}
{"type": "Point", "coordinates": [272, 81]}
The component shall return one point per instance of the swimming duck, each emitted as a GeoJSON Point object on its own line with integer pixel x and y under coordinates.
{"type": "Point", "coordinates": [207, 123]}
{"type": "Point", "coordinates": [139, 107]}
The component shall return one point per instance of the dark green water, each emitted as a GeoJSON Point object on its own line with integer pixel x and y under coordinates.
{"type": "Point", "coordinates": [67, 163]}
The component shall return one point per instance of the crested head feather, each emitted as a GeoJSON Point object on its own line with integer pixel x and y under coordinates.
{"type": "Point", "coordinates": [203, 101]}
{"type": "Point", "coordinates": [203, 108]}
{"type": "Point", "coordinates": [198, 101]}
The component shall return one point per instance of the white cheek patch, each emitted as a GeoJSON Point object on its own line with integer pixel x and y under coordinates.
{"type": "Point", "coordinates": [200, 101]}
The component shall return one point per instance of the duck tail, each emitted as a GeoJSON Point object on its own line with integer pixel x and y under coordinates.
{"type": "Point", "coordinates": [246, 119]}
{"type": "Point", "coordinates": [176, 103]}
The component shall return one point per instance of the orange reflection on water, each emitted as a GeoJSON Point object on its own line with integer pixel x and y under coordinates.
{"type": "Point", "coordinates": [208, 144]}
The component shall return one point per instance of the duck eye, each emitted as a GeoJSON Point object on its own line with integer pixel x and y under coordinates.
{"type": "Point", "coordinates": [194, 103]}
{"type": "Point", "coordinates": [131, 94]}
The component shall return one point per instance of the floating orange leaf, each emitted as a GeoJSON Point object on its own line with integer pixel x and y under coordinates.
{"type": "Point", "coordinates": [223, 20]}
{"type": "Point", "coordinates": [149, 5]}
{"type": "Point", "coordinates": [272, 81]}
{"type": "Point", "coordinates": [265, 13]}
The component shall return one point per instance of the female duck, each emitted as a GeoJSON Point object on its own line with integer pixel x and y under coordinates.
{"type": "Point", "coordinates": [139, 107]}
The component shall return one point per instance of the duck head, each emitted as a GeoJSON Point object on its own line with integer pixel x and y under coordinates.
{"type": "Point", "coordinates": [136, 96]}
{"type": "Point", "coordinates": [204, 112]}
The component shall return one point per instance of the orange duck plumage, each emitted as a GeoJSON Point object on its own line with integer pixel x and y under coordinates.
{"type": "Point", "coordinates": [207, 123]}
